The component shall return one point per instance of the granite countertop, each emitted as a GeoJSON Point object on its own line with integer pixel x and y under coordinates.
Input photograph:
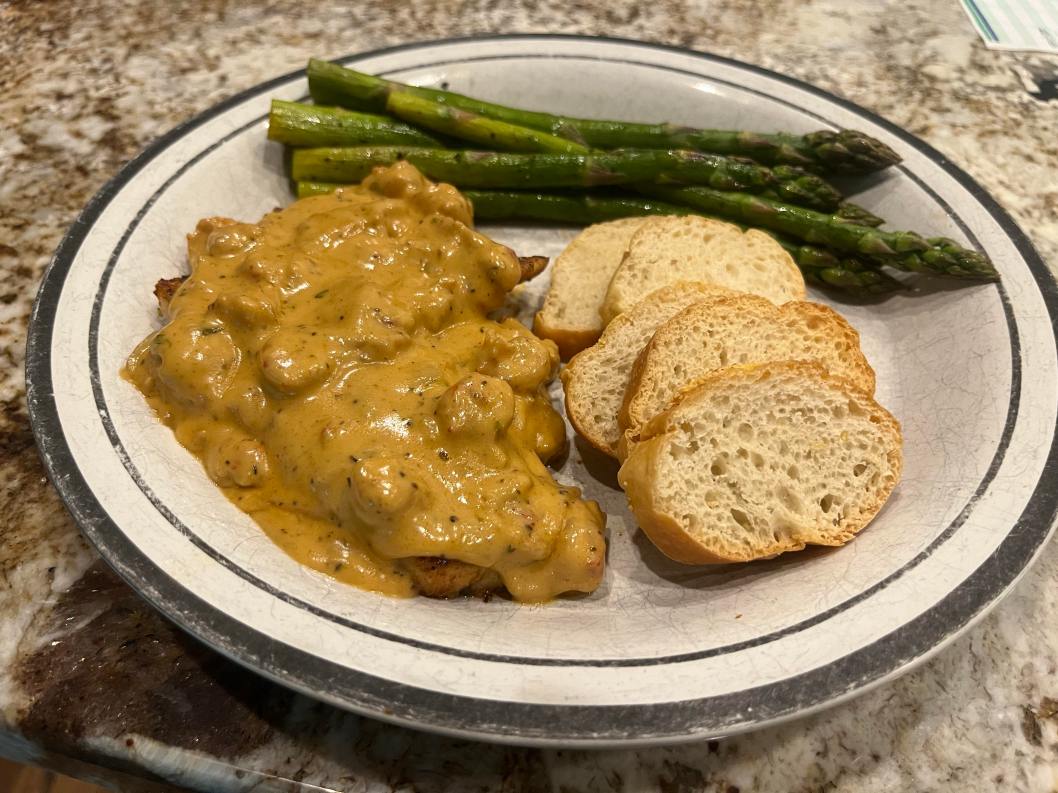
{"type": "Point", "coordinates": [94, 683]}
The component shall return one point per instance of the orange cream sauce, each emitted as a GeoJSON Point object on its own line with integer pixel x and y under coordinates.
{"type": "Point", "coordinates": [335, 369]}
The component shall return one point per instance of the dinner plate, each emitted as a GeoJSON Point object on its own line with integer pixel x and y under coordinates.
{"type": "Point", "coordinates": [661, 652]}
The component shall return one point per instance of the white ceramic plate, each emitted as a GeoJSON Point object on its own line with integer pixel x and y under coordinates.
{"type": "Point", "coordinates": [660, 652]}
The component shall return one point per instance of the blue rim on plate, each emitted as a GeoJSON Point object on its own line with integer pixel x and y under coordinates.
{"type": "Point", "coordinates": [521, 722]}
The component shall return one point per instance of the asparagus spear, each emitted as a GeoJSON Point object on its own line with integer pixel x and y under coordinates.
{"type": "Point", "coordinates": [854, 213]}
{"type": "Point", "coordinates": [847, 151]}
{"type": "Point", "coordinates": [823, 268]}
{"type": "Point", "coordinates": [298, 124]}
{"type": "Point", "coordinates": [903, 250]}
{"type": "Point", "coordinates": [844, 151]}
{"type": "Point", "coordinates": [464, 125]}
{"type": "Point", "coordinates": [307, 189]}
{"type": "Point", "coordinates": [520, 170]}
{"type": "Point", "coordinates": [578, 208]}
{"type": "Point", "coordinates": [331, 84]}
{"type": "Point", "coordinates": [313, 126]}
{"type": "Point", "coordinates": [947, 257]}
{"type": "Point", "coordinates": [798, 186]}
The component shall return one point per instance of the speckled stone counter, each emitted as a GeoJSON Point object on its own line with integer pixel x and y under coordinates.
{"type": "Point", "coordinates": [94, 683]}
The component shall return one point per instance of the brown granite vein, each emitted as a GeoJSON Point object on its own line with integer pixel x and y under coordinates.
{"type": "Point", "coordinates": [40, 548]}
{"type": "Point", "coordinates": [124, 670]}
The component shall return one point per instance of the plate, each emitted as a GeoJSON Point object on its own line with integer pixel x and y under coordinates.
{"type": "Point", "coordinates": [660, 652]}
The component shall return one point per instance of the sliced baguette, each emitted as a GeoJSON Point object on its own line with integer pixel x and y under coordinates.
{"type": "Point", "coordinates": [666, 249]}
{"type": "Point", "coordinates": [582, 272]}
{"type": "Point", "coordinates": [760, 460]}
{"type": "Point", "coordinates": [596, 379]}
{"type": "Point", "coordinates": [736, 329]}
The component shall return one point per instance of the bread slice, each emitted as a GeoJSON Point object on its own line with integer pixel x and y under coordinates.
{"type": "Point", "coordinates": [667, 248]}
{"type": "Point", "coordinates": [736, 329]}
{"type": "Point", "coordinates": [596, 379]}
{"type": "Point", "coordinates": [582, 272]}
{"type": "Point", "coordinates": [760, 460]}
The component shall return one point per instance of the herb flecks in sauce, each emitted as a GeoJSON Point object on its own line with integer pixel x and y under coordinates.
{"type": "Point", "coordinates": [335, 370]}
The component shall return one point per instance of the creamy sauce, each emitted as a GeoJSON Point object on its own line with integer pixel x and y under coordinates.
{"type": "Point", "coordinates": [336, 371]}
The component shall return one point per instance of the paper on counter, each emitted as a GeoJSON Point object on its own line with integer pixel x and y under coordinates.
{"type": "Point", "coordinates": [1030, 25]}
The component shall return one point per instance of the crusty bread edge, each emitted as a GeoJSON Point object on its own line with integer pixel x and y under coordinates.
{"type": "Point", "coordinates": [869, 378]}
{"type": "Point", "coordinates": [569, 342]}
{"type": "Point", "coordinates": [569, 371]}
{"type": "Point", "coordinates": [571, 401]}
{"type": "Point", "coordinates": [802, 289]}
{"type": "Point", "coordinates": [624, 415]}
{"type": "Point", "coordinates": [635, 476]}
{"type": "Point", "coordinates": [866, 380]}
{"type": "Point", "coordinates": [629, 432]}
{"type": "Point", "coordinates": [661, 529]}
{"type": "Point", "coordinates": [607, 311]}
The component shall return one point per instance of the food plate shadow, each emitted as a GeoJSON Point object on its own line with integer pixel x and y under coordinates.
{"type": "Point", "coordinates": [601, 467]}
{"type": "Point", "coordinates": [924, 285]}
{"type": "Point", "coordinates": [276, 160]}
{"type": "Point", "coordinates": [916, 286]}
{"type": "Point", "coordinates": [839, 298]}
{"type": "Point", "coordinates": [656, 565]}
{"type": "Point", "coordinates": [851, 186]}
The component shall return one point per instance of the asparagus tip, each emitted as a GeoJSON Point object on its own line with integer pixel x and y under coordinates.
{"type": "Point", "coordinates": [963, 262]}
{"type": "Point", "coordinates": [851, 151]}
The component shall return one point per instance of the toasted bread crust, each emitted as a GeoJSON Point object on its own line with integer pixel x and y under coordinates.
{"type": "Point", "coordinates": [864, 376]}
{"type": "Point", "coordinates": [577, 401]}
{"type": "Point", "coordinates": [794, 272]}
{"type": "Point", "coordinates": [635, 477]}
{"type": "Point", "coordinates": [724, 247]}
{"type": "Point", "coordinates": [651, 364]}
{"type": "Point", "coordinates": [569, 341]}
{"type": "Point", "coordinates": [581, 400]}
{"type": "Point", "coordinates": [638, 473]}
{"type": "Point", "coordinates": [581, 274]}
